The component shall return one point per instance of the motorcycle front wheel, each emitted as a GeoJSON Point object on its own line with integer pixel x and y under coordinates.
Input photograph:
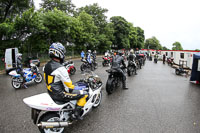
{"type": "Point", "coordinates": [50, 117]}
{"type": "Point", "coordinates": [98, 100]}
{"type": "Point", "coordinates": [16, 82]}
{"type": "Point", "coordinates": [38, 79]}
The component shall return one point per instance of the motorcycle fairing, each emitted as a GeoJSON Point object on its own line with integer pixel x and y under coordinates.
{"type": "Point", "coordinates": [43, 102]}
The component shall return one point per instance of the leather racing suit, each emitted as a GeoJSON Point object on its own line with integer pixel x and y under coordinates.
{"type": "Point", "coordinates": [60, 86]}
{"type": "Point", "coordinates": [132, 58]}
{"type": "Point", "coordinates": [116, 63]}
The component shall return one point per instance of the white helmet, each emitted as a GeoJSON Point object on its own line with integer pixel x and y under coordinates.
{"type": "Point", "coordinates": [89, 51]}
{"type": "Point", "coordinates": [57, 50]}
{"type": "Point", "coordinates": [131, 51]}
{"type": "Point", "coordinates": [19, 55]}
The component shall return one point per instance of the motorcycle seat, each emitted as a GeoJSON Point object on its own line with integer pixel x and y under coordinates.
{"type": "Point", "coordinates": [60, 102]}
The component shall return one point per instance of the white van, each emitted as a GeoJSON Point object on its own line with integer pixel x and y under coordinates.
{"type": "Point", "coordinates": [10, 59]}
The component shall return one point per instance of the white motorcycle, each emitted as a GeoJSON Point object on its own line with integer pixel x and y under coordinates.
{"type": "Point", "coordinates": [52, 117]}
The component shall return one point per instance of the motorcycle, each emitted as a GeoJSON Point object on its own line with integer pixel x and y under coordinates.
{"type": "Point", "coordinates": [131, 68]}
{"type": "Point", "coordinates": [138, 63]}
{"type": "Point", "coordinates": [106, 60]}
{"type": "Point", "coordinates": [30, 74]}
{"type": "Point", "coordinates": [87, 65]}
{"type": "Point", "coordinates": [51, 116]}
{"type": "Point", "coordinates": [114, 81]}
{"type": "Point", "coordinates": [70, 67]}
{"type": "Point", "coordinates": [170, 61]}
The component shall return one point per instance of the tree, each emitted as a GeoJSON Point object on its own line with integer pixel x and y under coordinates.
{"type": "Point", "coordinates": [164, 48]}
{"type": "Point", "coordinates": [98, 15]}
{"type": "Point", "coordinates": [121, 32]}
{"type": "Point", "coordinates": [132, 36]}
{"type": "Point", "coordinates": [64, 5]}
{"type": "Point", "coordinates": [140, 37]}
{"type": "Point", "coordinates": [152, 43]}
{"type": "Point", "coordinates": [197, 49]}
{"type": "Point", "coordinates": [177, 46]}
{"type": "Point", "coordinates": [89, 31]}
{"type": "Point", "coordinates": [11, 8]}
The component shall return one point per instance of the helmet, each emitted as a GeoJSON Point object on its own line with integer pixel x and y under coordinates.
{"type": "Point", "coordinates": [131, 51]}
{"type": "Point", "coordinates": [89, 51]}
{"type": "Point", "coordinates": [19, 55]}
{"type": "Point", "coordinates": [57, 50]}
{"type": "Point", "coordinates": [120, 53]}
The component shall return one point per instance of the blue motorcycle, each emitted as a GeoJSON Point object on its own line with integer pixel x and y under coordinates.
{"type": "Point", "coordinates": [30, 74]}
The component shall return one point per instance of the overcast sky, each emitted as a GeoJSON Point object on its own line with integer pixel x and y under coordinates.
{"type": "Point", "coordinates": [167, 20]}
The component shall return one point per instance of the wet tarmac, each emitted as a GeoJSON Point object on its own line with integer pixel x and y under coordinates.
{"type": "Point", "coordinates": [157, 101]}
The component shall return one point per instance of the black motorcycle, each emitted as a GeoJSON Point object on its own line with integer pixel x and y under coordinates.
{"type": "Point", "coordinates": [87, 65]}
{"type": "Point", "coordinates": [114, 81]}
{"type": "Point", "coordinates": [131, 68]}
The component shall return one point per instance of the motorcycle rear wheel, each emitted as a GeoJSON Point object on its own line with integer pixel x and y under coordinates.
{"type": "Point", "coordinates": [177, 72]}
{"type": "Point", "coordinates": [50, 117]}
{"type": "Point", "coordinates": [15, 82]}
{"type": "Point", "coordinates": [82, 67]}
{"type": "Point", "coordinates": [110, 85]}
{"type": "Point", "coordinates": [72, 71]}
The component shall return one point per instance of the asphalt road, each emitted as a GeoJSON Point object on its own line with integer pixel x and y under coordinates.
{"type": "Point", "coordinates": [157, 101]}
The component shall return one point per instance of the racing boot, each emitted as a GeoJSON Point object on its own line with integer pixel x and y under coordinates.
{"type": "Point", "coordinates": [77, 112]}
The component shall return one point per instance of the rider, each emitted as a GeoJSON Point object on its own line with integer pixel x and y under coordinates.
{"type": "Point", "coordinates": [89, 57]}
{"type": "Point", "coordinates": [132, 58]}
{"type": "Point", "coordinates": [20, 68]}
{"type": "Point", "coordinates": [58, 82]}
{"type": "Point", "coordinates": [116, 63]}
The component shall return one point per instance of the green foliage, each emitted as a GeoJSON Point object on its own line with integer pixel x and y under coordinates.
{"type": "Point", "coordinates": [57, 21]}
{"type": "Point", "coordinates": [165, 48]}
{"type": "Point", "coordinates": [121, 32]}
{"type": "Point", "coordinates": [64, 5]}
{"type": "Point", "coordinates": [177, 46]}
{"type": "Point", "coordinates": [10, 8]}
{"type": "Point", "coordinates": [152, 43]}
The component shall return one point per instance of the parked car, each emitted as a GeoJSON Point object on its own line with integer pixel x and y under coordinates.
{"type": "Point", "coordinates": [33, 60]}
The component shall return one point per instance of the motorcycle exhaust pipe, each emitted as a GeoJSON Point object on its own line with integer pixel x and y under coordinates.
{"type": "Point", "coordinates": [53, 124]}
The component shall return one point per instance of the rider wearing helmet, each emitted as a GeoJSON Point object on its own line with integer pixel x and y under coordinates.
{"type": "Point", "coordinates": [58, 82]}
{"type": "Point", "coordinates": [117, 61]}
{"type": "Point", "coordinates": [20, 68]}
{"type": "Point", "coordinates": [132, 58]}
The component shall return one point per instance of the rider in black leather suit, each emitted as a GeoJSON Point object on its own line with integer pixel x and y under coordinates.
{"type": "Point", "coordinates": [117, 61]}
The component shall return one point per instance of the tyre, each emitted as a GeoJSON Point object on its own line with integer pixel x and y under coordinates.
{"type": "Point", "coordinates": [38, 78]}
{"type": "Point", "coordinates": [129, 71]}
{"type": "Point", "coordinates": [110, 85]}
{"type": "Point", "coordinates": [103, 63]}
{"type": "Point", "coordinates": [95, 65]}
{"type": "Point", "coordinates": [177, 72]}
{"type": "Point", "coordinates": [16, 82]}
{"type": "Point", "coordinates": [50, 117]}
{"type": "Point", "coordinates": [72, 71]}
{"type": "Point", "coordinates": [98, 100]}
{"type": "Point", "coordinates": [82, 67]}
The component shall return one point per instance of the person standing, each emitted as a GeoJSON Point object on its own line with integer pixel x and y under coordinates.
{"type": "Point", "coordinates": [82, 55]}
{"type": "Point", "coordinates": [164, 57]}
